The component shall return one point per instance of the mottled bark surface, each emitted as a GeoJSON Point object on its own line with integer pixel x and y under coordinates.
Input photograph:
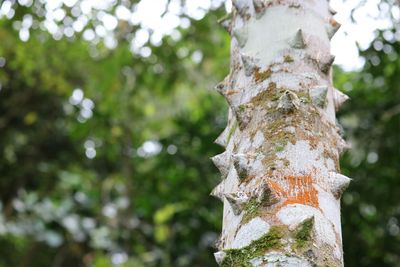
{"type": "Point", "coordinates": [281, 185]}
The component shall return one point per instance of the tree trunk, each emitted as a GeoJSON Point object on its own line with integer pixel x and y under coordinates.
{"type": "Point", "coordinates": [281, 185]}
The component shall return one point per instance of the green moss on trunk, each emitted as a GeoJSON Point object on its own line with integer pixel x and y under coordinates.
{"type": "Point", "coordinates": [242, 257]}
{"type": "Point", "coordinates": [252, 209]}
{"type": "Point", "coordinates": [303, 233]}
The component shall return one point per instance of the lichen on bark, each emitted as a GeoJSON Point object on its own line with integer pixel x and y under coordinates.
{"type": "Point", "coordinates": [241, 257]}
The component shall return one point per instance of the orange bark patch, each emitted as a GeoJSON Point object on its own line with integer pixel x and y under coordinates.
{"type": "Point", "coordinates": [276, 188]}
{"type": "Point", "coordinates": [296, 190]}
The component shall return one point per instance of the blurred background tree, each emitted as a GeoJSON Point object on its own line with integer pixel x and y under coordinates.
{"type": "Point", "coordinates": [107, 124]}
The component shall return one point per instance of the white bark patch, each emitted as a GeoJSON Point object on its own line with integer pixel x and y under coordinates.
{"type": "Point", "coordinates": [249, 232]}
{"type": "Point", "coordinates": [258, 139]}
{"type": "Point", "coordinates": [277, 34]}
{"type": "Point", "coordinates": [231, 223]}
{"type": "Point", "coordinates": [293, 215]}
{"type": "Point", "coordinates": [302, 158]}
{"type": "Point", "coordinates": [231, 182]}
{"type": "Point", "coordinates": [275, 259]}
{"type": "Point", "coordinates": [245, 144]}
{"type": "Point", "coordinates": [291, 81]}
{"type": "Point", "coordinates": [331, 208]}
{"type": "Point", "coordinates": [330, 164]}
{"type": "Point", "coordinates": [257, 165]}
{"type": "Point", "coordinates": [290, 129]}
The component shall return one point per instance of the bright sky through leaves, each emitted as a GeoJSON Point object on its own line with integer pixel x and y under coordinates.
{"type": "Point", "coordinates": [158, 18]}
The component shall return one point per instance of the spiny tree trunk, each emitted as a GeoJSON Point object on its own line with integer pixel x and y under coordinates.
{"type": "Point", "coordinates": [281, 185]}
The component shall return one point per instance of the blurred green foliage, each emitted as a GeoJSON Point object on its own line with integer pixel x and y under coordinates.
{"type": "Point", "coordinates": [105, 153]}
{"type": "Point", "coordinates": [143, 198]}
{"type": "Point", "coordinates": [371, 207]}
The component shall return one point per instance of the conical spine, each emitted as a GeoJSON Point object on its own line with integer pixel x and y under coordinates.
{"type": "Point", "coordinates": [298, 40]}
{"type": "Point", "coordinates": [241, 36]}
{"type": "Point", "coordinates": [237, 201]}
{"type": "Point", "coordinates": [325, 65]}
{"type": "Point", "coordinates": [318, 95]}
{"type": "Point", "coordinates": [221, 161]}
{"type": "Point", "coordinates": [332, 27]}
{"type": "Point", "coordinates": [339, 183]}
{"type": "Point", "coordinates": [339, 98]}
{"type": "Point", "coordinates": [240, 163]}
{"type": "Point", "coordinates": [218, 191]}
{"type": "Point", "coordinates": [288, 102]}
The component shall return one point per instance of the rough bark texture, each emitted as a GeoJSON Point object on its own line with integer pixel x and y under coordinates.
{"type": "Point", "coordinates": [281, 185]}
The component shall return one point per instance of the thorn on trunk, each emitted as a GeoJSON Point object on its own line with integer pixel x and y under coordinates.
{"type": "Point", "coordinates": [221, 161]}
{"type": "Point", "coordinates": [318, 95]}
{"type": "Point", "coordinates": [243, 114]}
{"type": "Point", "coordinates": [339, 183]}
{"type": "Point", "coordinates": [265, 195]}
{"type": "Point", "coordinates": [339, 98]}
{"type": "Point", "coordinates": [249, 64]}
{"type": "Point", "coordinates": [326, 65]}
{"type": "Point", "coordinates": [332, 11]}
{"type": "Point", "coordinates": [288, 102]}
{"type": "Point", "coordinates": [240, 35]}
{"type": "Point", "coordinates": [237, 201]}
{"type": "Point", "coordinates": [222, 139]}
{"type": "Point", "coordinates": [221, 87]}
{"type": "Point", "coordinates": [218, 191]}
{"type": "Point", "coordinates": [332, 27]}
{"type": "Point", "coordinates": [259, 8]}
{"type": "Point", "coordinates": [242, 7]}
{"type": "Point", "coordinates": [298, 40]}
{"type": "Point", "coordinates": [240, 163]}
{"type": "Point", "coordinates": [219, 257]}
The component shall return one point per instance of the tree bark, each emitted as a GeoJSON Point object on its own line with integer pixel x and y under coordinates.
{"type": "Point", "coordinates": [281, 185]}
